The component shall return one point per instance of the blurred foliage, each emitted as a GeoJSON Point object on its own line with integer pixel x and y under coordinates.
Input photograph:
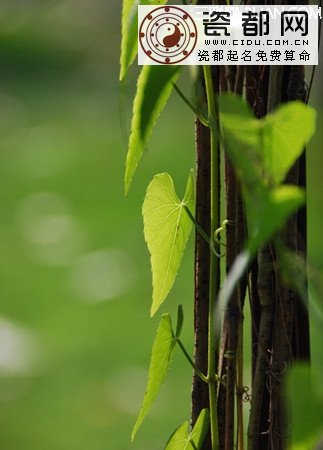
{"type": "Point", "coordinates": [74, 269]}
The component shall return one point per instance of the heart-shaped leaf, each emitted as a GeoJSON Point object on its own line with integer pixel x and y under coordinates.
{"type": "Point", "coordinates": [273, 209]}
{"type": "Point", "coordinates": [181, 439]}
{"type": "Point", "coordinates": [285, 134]}
{"type": "Point", "coordinates": [262, 152]}
{"type": "Point", "coordinates": [272, 144]}
{"type": "Point", "coordinates": [167, 227]}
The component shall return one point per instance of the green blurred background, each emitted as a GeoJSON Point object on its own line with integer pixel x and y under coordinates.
{"type": "Point", "coordinates": [75, 288]}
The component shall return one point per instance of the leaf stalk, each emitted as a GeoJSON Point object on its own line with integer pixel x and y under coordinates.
{"type": "Point", "coordinates": [191, 362]}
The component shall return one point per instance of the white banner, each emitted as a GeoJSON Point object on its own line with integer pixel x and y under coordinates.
{"type": "Point", "coordinates": [228, 35]}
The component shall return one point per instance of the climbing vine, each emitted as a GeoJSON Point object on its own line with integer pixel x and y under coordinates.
{"type": "Point", "coordinates": [252, 126]}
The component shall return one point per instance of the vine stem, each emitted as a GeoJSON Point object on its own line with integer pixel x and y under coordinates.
{"type": "Point", "coordinates": [202, 233]}
{"type": "Point", "coordinates": [190, 361]}
{"type": "Point", "coordinates": [213, 118]}
{"type": "Point", "coordinates": [195, 110]}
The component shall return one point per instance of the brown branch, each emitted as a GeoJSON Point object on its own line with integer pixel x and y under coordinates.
{"type": "Point", "coordinates": [264, 285]}
{"type": "Point", "coordinates": [202, 261]}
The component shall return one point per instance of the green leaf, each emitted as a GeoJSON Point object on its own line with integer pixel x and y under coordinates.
{"type": "Point", "coordinates": [181, 439]}
{"type": "Point", "coordinates": [286, 132]}
{"type": "Point", "coordinates": [200, 429]}
{"type": "Point", "coordinates": [129, 27]}
{"type": "Point", "coordinates": [241, 133]}
{"type": "Point", "coordinates": [160, 361]}
{"type": "Point", "coordinates": [238, 119]}
{"type": "Point", "coordinates": [129, 32]}
{"type": "Point", "coordinates": [167, 228]}
{"type": "Point", "coordinates": [239, 267]}
{"type": "Point", "coordinates": [273, 209]}
{"type": "Point", "coordinates": [262, 152]}
{"type": "Point", "coordinates": [306, 409]}
{"type": "Point", "coordinates": [270, 214]}
{"type": "Point", "coordinates": [153, 90]}
{"type": "Point", "coordinates": [265, 149]}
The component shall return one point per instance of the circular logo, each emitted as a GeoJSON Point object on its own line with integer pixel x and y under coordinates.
{"type": "Point", "coordinates": [168, 35]}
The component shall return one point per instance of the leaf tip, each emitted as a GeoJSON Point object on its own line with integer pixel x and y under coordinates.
{"type": "Point", "coordinates": [127, 180]}
{"type": "Point", "coordinates": [180, 320]}
{"type": "Point", "coordinates": [153, 310]}
{"type": "Point", "coordinates": [134, 431]}
{"type": "Point", "coordinates": [192, 176]}
{"type": "Point", "coordinates": [126, 189]}
{"type": "Point", "coordinates": [123, 70]}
